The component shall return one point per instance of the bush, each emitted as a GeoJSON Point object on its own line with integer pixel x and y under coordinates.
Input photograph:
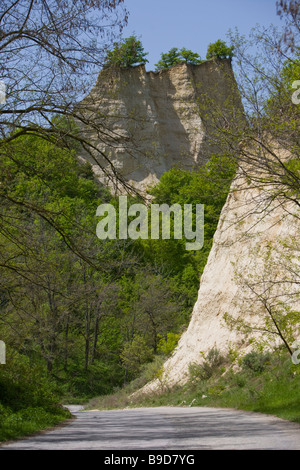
{"type": "Point", "coordinates": [204, 371]}
{"type": "Point", "coordinates": [167, 345]}
{"type": "Point", "coordinates": [98, 379]}
{"type": "Point", "coordinates": [255, 361]}
{"type": "Point", "coordinates": [24, 385]}
{"type": "Point", "coordinates": [175, 56]}
{"type": "Point", "coordinates": [135, 355]}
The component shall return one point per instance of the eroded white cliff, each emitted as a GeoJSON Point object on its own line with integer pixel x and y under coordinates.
{"type": "Point", "coordinates": [156, 121]}
{"type": "Point", "coordinates": [146, 123]}
{"type": "Point", "coordinates": [254, 258]}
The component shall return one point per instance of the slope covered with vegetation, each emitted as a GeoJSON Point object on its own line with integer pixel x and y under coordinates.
{"type": "Point", "coordinates": [79, 315]}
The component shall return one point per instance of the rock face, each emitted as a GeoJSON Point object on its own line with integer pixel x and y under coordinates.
{"type": "Point", "coordinates": [146, 123]}
{"type": "Point", "coordinates": [255, 246]}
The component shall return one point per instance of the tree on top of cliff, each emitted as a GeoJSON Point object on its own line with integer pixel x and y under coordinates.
{"type": "Point", "coordinates": [127, 53]}
{"type": "Point", "coordinates": [176, 56]}
{"type": "Point", "coordinates": [219, 50]}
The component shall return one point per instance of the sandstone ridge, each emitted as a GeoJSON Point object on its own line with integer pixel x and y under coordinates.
{"type": "Point", "coordinates": [254, 258]}
{"type": "Point", "coordinates": [154, 121]}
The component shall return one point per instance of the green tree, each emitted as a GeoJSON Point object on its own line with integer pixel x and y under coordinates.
{"type": "Point", "coordinates": [127, 53]}
{"type": "Point", "coordinates": [167, 345]}
{"type": "Point", "coordinates": [219, 50]}
{"type": "Point", "coordinates": [58, 293]}
{"type": "Point", "coordinates": [208, 185]}
{"type": "Point", "coordinates": [176, 56]}
{"type": "Point", "coordinates": [135, 355]}
{"type": "Point", "coordinates": [291, 70]}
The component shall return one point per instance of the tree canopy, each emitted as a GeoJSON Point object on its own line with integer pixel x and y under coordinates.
{"type": "Point", "coordinates": [176, 56]}
{"type": "Point", "coordinates": [127, 53]}
{"type": "Point", "coordinates": [219, 50]}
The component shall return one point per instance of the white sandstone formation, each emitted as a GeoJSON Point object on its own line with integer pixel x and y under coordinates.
{"type": "Point", "coordinates": [253, 240]}
{"type": "Point", "coordinates": [146, 123]}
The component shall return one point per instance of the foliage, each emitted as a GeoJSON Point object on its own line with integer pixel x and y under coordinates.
{"type": "Point", "coordinates": [135, 355]}
{"type": "Point", "coordinates": [51, 53]}
{"type": "Point", "coordinates": [82, 316]}
{"type": "Point", "coordinates": [209, 366]}
{"type": "Point", "coordinates": [291, 69]}
{"type": "Point", "coordinates": [219, 50]}
{"type": "Point", "coordinates": [176, 56]}
{"type": "Point", "coordinates": [167, 345]}
{"type": "Point", "coordinates": [256, 361]}
{"type": "Point", "coordinates": [91, 325]}
{"type": "Point", "coordinates": [28, 398]}
{"type": "Point", "coordinates": [127, 53]}
{"type": "Point", "coordinates": [208, 185]}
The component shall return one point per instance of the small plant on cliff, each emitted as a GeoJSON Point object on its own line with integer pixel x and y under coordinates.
{"type": "Point", "coordinates": [219, 50]}
{"type": "Point", "coordinates": [176, 56]}
{"type": "Point", "coordinates": [127, 53]}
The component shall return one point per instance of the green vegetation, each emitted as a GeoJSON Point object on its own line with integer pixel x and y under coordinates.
{"type": "Point", "coordinates": [131, 52]}
{"type": "Point", "coordinates": [219, 50]}
{"type": "Point", "coordinates": [76, 326]}
{"type": "Point", "coordinates": [29, 398]}
{"type": "Point", "coordinates": [176, 56]}
{"type": "Point", "coordinates": [128, 53]}
{"type": "Point", "coordinates": [82, 317]}
{"type": "Point", "coordinates": [259, 382]}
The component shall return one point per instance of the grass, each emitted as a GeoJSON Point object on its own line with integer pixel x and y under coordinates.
{"type": "Point", "coordinates": [29, 399]}
{"type": "Point", "coordinates": [27, 421]}
{"type": "Point", "coordinates": [265, 383]}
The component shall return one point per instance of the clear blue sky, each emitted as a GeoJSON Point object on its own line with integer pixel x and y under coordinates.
{"type": "Point", "coordinates": [163, 24]}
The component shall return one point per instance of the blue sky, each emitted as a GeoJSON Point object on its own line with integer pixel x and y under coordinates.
{"type": "Point", "coordinates": [163, 24]}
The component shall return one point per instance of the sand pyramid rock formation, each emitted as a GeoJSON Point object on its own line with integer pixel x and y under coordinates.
{"type": "Point", "coordinates": [246, 228]}
{"type": "Point", "coordinates": [154, 121]}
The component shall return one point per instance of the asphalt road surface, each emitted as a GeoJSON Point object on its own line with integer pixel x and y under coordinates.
{"type": "Point", "coordinates": [166, 428]}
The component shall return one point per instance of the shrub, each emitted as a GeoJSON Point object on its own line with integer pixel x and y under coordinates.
{"type": "Point", "coordinates": [255, 361]}
{"type": "Point", "coordinates": [176, 56]}
{"type": "Point", "coordinates": [167, 345]}
{"type": "Point", "coordinates": [205, 370]}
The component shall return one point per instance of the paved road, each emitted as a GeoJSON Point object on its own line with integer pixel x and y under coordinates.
{"type": "Point", "coordinates": [166, 428]}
